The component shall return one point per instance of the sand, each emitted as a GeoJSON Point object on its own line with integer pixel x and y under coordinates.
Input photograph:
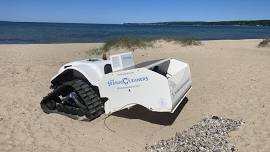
{"type": "Point", "coordinates": [231, 78]}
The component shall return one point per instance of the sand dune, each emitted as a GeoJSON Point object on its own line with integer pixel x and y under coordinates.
{"type": "Point", "coordinates": [231, 78]}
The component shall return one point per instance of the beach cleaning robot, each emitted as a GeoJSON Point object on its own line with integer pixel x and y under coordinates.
{"type": "Point", "coordinates": [88, 88]}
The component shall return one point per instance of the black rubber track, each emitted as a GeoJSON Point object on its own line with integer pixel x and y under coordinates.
{"type": "Point", "coordinates": [87, 96]}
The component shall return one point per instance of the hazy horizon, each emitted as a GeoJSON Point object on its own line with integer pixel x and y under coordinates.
{"type": "Point", "coordinates": [140, 11]}
{"type": "Point", "coordinates": [129, 22]}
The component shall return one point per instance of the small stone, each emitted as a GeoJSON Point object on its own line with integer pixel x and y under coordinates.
{"type": "Point", "coordinates": [215, 117]}
{"type": "Point", "coordinates": [202, 149]}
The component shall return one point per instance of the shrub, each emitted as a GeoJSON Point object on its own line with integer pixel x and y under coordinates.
{"type": "Point", "coordinates": [264, 43]}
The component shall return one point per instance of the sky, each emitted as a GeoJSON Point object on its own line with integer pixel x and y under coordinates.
{"type": "Point", "coordinates": [127, 11]}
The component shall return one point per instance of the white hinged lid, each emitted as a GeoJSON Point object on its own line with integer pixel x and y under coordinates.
{"type": "Point", "coordinates": [122, 61]}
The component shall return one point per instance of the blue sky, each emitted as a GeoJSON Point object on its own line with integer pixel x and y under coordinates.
{"type": "Point", "coordinates": [122, 11]}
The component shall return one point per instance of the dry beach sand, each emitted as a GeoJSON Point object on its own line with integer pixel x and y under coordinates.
{"type": "Point", "coordinates": [231, 78]}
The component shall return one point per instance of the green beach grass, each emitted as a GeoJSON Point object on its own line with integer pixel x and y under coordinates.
{"type": "Point", "coordinates": [133, 43]}
{"type": "Point", "coordinates": [264, 43]}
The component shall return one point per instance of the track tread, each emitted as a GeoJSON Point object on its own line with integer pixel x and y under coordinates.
{"type": "Point", "coordinates": [89, 97]}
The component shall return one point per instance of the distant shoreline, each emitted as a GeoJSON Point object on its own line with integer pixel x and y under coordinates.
{"type": "Point", "coordinates": [176, 23]}
{"type": "Point", "coordinates": [205, 23]}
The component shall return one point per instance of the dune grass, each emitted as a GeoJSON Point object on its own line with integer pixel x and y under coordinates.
{"type": "Point", "coordinates": [264, 43]}
{"type": "Point", "coordinates": [190, 42]}
{"type": "Point", "coordinates": [130, 43]}
{"type": "Point", "coordinates": [127, 42]}
{"type": "Point", "coordinates": [185, 42]}
{"type": "Point", "coordinates": [133, 43]}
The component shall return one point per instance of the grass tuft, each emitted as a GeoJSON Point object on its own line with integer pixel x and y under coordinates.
{"type": "Point", "coordinates": [189, 42]}
{"type": "Point", "coordinates": [133, 43]}
{"type": "Point", "coordinates": [127, 42]}
{"type": "Point", "coordinates": [264, 43]}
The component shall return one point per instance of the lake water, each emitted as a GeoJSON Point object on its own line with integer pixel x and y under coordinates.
{"type": "Point", "coordinates": [20, 33]}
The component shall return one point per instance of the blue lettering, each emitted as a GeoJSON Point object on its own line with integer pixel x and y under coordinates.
{"type": "Point", "coordinates": [127, 81]}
